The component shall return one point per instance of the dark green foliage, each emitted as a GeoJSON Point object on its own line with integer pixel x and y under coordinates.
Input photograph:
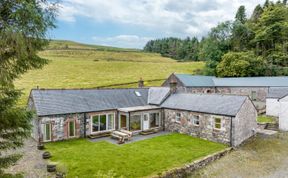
{"type": "Point", "coordinates": [175, 48]}
{"type": "Point", "coordinates": [264, 37]}
{"type": "Point", "coordinates": [240, 64]}
{"type": "Point", "coordinates": [241, 15]}
{"type": "Point", "coordinates": [23, 27]}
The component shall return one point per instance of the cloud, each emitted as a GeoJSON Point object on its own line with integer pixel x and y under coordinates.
{"type": "Point", "coordinates": [128, 41]}
{"type": "Point", "coordinates": [161, 18]}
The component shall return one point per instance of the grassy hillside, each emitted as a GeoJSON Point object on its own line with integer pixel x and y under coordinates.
{"type": "Point", "coordinates": [84, 66]}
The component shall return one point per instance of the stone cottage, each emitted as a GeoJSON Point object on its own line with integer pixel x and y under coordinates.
{"type": "Point", "coordinates": [73, 113]}
{"type": "Point", "coordinates": [255, 87]}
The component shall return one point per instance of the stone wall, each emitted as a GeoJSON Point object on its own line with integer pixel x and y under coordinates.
{"type": "Point", "coordinates": [187, 169]}
{"type": "Point", "coordinates": [172, 77]}
{"type": "Point", "coordinates": [261, 92]}
{"type": "Point", "coordinates": [59, 125]}
{"type": "Point", "coordinates": [205, 130]}
{"type": "Point", "coordinates": [196, 90]}
{"type": "Point", "coordinates": [244, 124]}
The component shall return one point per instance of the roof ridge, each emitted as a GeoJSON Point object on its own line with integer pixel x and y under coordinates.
{"type": "Point", "coordinates": [88, 88]}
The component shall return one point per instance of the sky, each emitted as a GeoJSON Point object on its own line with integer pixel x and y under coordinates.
{"type": "Point", "coordinates": [131, 23]}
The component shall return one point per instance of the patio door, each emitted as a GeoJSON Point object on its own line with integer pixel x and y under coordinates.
{"type": "Point", "coordinates": [123, 122]}
{"type": "Point", "coordinates": [145, 121]}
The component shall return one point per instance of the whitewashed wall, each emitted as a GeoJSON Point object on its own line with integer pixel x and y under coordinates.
{"type": "Point", "coordinates": [283, 115]}
{"type": "Point", "coordinates": [272, 107]}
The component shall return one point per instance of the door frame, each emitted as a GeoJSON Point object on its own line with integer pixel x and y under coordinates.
{"type": "Point", "coordinates": [119, 119]}
{"type": "Point", "coordinates": [44, 132]}
{"type": "Point", "coordinates": [74, 121]}
{"type": "Point", "coordinates": [148, 120]}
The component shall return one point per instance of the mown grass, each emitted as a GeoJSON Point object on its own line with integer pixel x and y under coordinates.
{"type": "Point", "coordinates": [85, 68]}
{"type": "Point", "coordinates": [83, 158]}
{"type": "Point", "coordinates": [265, 119]}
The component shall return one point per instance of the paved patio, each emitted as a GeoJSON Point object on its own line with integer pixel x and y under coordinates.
{"type": "Point", "coordinates": [135, 138]}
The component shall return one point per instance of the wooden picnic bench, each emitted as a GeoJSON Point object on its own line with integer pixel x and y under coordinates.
{"type": "Point", "coordinates": [121, 135]}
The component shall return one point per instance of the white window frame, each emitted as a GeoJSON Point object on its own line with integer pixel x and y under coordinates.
{"type": "Point", "coordinates": [214, 122]}
{"type": "Point", "coordinates": [44, 132]}
{"type": "Point", "coordinates": [74, 121]}
{"type": "Point", "coordinates": [99, 131]}
{"type": "Point", "coordinates": [178, 118]}
{"type": "Point", "coordinates": [194, 119]}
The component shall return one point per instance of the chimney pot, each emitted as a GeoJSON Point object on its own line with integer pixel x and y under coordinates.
{"type": "Point", "coordinates": [173, 86]}
{"type": "Point", "coordinates": [141, 83]}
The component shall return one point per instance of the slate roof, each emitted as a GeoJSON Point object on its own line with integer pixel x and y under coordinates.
{"type": "Point", "coordinates": [52, 102]}
{"type": "Point", "coordinates": [157, 95]}
{"type": "Point", "coordinates": [210, 81]}
{"type": "Point", "coordinates": [196, 80]}
{"type": "Point", "coordinates": [277, 92]}
{"type": "Point", "coordinates": [227, 105]}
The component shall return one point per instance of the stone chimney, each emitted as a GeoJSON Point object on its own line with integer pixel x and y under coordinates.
{"type": "Point", "coordinates": [173, 86]}
{"type": "Point", "coordinates": [37, 87]}
{"type": "Point", "coordinates": [141, 83]}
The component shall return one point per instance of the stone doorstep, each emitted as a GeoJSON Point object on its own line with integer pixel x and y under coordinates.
{"type": "Point", "coordinates": [190, 167]}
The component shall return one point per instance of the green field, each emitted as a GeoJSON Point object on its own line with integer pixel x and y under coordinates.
{"type": "Point", "coordinates": [74, 65]}
{"type": "Point", "coordinates": [82, 158]}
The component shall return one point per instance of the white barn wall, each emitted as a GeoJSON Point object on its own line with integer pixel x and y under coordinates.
{"type": "Point", "coordinates": [283, 115]}
{"type": "Point", "coordinates": [272, 107]}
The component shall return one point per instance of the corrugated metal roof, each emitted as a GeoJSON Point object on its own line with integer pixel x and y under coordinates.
{"type": "Point", "coordinates": [209, 81]}
{"type": "Point", "coordinates": [277, 92]}
{"type": "Point", "coordinates": [196, 80]}
{"type": "Point", "coordinates": [51, 102]}
{"type": "Point", "coordinates": [228, 105]}
{"type": "Point", "coordinates": [156, 95]}
{"type": "Point", "coordinates": [252, 81]}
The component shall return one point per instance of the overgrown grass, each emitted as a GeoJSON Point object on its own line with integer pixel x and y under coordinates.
{"type": "Point", "coordinates": [143, 158]}
{"type": "Point", "coordinates": [265, 119]}
{"type": "Point", "coordinates": [85, 68]}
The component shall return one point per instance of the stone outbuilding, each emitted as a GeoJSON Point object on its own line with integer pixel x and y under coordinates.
{"type": "Point", "coordinates": [254, 87]}
{"type": "Point", "coordinates": [72, 113]}
{"type": "Point", "coordinates": [227, 119]}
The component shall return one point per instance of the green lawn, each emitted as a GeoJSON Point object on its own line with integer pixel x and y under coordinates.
{"type": "Point", "coordinates": [83, 158]}
{"type": "Point", "coordinates": [83, 67]}
{"type": "Point", "coordinates": [265, 119]}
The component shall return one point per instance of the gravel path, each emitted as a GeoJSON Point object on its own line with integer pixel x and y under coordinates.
{"type": "Point", "coordinates": [261, 157]}
{"type": "Point", "coordinates": [31, 165]}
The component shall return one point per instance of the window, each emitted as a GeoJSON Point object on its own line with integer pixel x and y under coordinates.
{"type": "Point", "coordinates": [135, 122]}
{"type": "Point", "coordinates": [95, 123]}
{"type": "Point", "coordinates": [217, 123]}
{"type": "Point", "coordinates": [253, 95]}
{"type": "Point", "coordinates": [195, 120]}
{"type": "Point", "coordinates": [71, 128]}
{"type": "Point", "coordinates": [103, 122]}
{"type": "Point", "coordinates": [154, 120]}
{"type": "Point", "coordinates": [47, 132]}
{"type": "Point", "coordinates": [178, 117]}
{"type": "Point", "coordinates": [111, 121]}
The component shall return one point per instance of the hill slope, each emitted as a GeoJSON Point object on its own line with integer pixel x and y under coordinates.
{"type": "Point", "coordinates": [82, 67]}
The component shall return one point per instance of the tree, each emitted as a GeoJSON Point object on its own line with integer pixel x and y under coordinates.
{"type": "Point", "coordinates": [215, 46]}
{"type": "Point", "coordinates": [241, 15]}
{"type": "Point", "coordinates": [23, 27]}
{"type": "Point", "coordinates": [240, 64]}
{"type": "Point", "coordinates": [256, 13]}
